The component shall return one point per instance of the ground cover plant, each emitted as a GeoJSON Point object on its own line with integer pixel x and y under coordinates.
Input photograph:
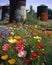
{"type": "Point", "coordinates": [25, 45]}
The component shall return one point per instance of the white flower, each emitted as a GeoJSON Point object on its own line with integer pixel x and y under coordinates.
{"type": "Point", "coordinates": [12, 33]}
{"type": "Point", "coordinates": [11, 28]}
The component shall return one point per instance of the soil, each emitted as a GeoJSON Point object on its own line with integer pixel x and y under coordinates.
{"type": "Point", "coordinates": [46, 22]}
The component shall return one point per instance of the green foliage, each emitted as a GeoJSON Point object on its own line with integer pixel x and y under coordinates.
{"type": "Point", "coordinates": [49, 11]}
{"type": "Point", "coordinates": [31, 16]}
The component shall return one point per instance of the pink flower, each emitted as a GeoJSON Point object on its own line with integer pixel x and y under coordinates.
{"type": "Point", "coordinates": [6, 47]}
{"type": "Point", "coordinates": [22, 54]}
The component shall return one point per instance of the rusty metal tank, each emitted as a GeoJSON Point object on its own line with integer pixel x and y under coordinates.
{"type": "Point", "coordinates": [21, 10]}
{"type": "Point", "coordinates": [42, 12]}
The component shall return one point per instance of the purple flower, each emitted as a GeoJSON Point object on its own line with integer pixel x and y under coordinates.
{"type": "Point", "coordinates": [0, 39]}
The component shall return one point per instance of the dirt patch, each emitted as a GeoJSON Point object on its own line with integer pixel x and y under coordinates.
{"type": "Point", "coordinates": [46, 22]}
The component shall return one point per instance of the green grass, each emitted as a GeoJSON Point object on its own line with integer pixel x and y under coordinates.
{"type": "Point", "coordinates": [49, 55]}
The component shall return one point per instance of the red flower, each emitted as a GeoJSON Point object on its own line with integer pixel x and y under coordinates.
{"type": "Point", "coordinates": [27, 61]}
{"type": "Point", "coordinates": [6, 47]}
{"type": "Point", "coordinates": [1, 52]}
{"type": "Point", "coordinates": [20, 45]}
{"type": "Point", "coordinates": [39, 46]}
{"type": "Point", "coordinates": [35, 54]}
{"type": "Point", "coordinates": [22, 42]}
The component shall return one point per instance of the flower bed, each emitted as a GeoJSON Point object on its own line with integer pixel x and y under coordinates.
{"type": "Point", "coordinates": [23, 45]}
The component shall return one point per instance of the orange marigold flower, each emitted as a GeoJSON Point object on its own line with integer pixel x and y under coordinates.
{"type": "Point", "coordinates": [11, 61]}
{"type": "Point", "coordinates": [17, 37]}
{"type": "Point", "coordinates": [4, 57]}
{"type": "Point", "coordinates": [10, 37]}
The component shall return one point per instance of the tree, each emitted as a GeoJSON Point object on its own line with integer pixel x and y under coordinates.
{"type": "Point", "coordinates": [31, 14]}
{"type": "Point", "coordinates": [49, 11]}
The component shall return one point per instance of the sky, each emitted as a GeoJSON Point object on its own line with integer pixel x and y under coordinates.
{"type": "Point", "coordinates": [34, 3]}
{"type": "Point", "coordinates": [4, 2]}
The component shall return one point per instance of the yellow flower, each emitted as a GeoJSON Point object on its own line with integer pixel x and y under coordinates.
{"type": "Point", "coordinates": [39, 40]}
{"type": "Point", "coordinates": [11, 61]}
{"type": "Point", "coordinates": [4, 57]}
{"type": "Point", "coordinates": [36, 26]}
{"type": "Point", "coordinates": [17, 37]}
{"type": "Point", "coordinates": [12, 41]}
{"type": "Point", "coordinates": [37, 37]}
